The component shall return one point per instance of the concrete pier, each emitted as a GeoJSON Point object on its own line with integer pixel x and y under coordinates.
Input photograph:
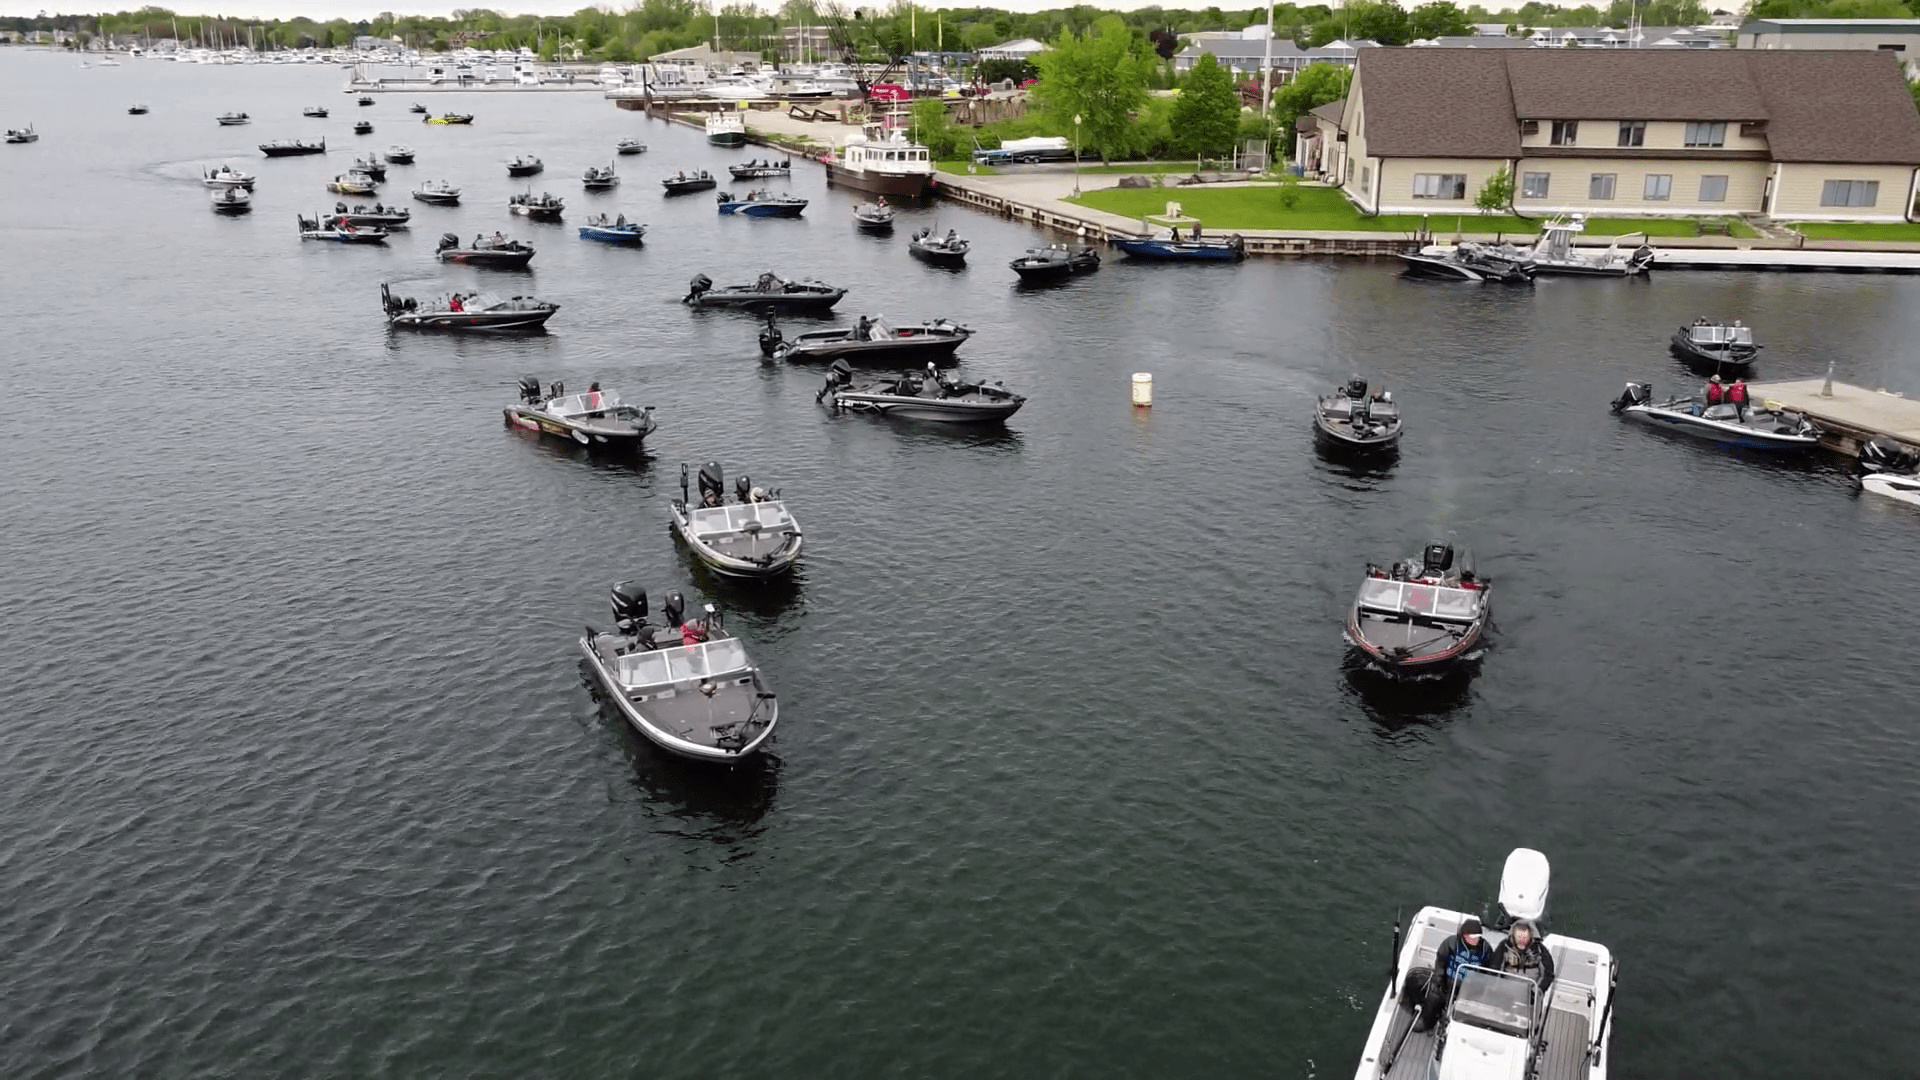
{"type": "Point", "coordinates": [1851, 416]}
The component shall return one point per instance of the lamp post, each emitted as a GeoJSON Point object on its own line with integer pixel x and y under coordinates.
{"type": "Point", "coordinates": [1076, 155]}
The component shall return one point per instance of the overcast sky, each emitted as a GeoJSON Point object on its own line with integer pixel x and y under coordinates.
{"type": "Point", "coordinates": [363, 9]}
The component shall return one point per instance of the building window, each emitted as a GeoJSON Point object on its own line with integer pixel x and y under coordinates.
{"type": "Point", "coordinates": [1705, 134]}
{"type": "Point", "coordinates": [1439, 185]}
{"type": "Point", "coordinates": [1850, 193]}
{"type": "Point", "coordinates": [1366, 179]}
{"type": "Point", "coordinates": [1565, 132]}
{"type": "Point", "coordinates": [1600, 185]}
{"type": "Point", "coordinates": [1713, 189]}
{"type": "Point", "coordinates": [1633, 133]}
{"type": "Point", "coordinates": [1659, 187]}
{"type": "Point", "coordinates": [1533, 185]}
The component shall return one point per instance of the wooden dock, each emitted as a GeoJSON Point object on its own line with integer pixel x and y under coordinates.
{"type": "Point", "coordinates": [1777, 258]}
{"type": "Point", "coordinates": [1849, 415]}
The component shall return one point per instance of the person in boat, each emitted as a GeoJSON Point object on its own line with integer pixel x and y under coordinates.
{"type": "Point", "coordinates": [1523, 953]}
{"type": "Point", "coordinates": [1196, 232]}
{"type": "Point", "coordinates": [863, 330]}
{"type": "Point", "coordinates": [456, 304]}
{"type": "Point", "coordinates": [1715, 392]}
{"type": "Point", "coordinates": [951, 237]}
{"type": "Point", "coordinates": [593, 397]}
{"type": "Point", "coordinates": [1737, 397]}
{"type": "Point", "coordinates": [1461, 950]}
{"type": "Point", "coordinates": [621, 223]}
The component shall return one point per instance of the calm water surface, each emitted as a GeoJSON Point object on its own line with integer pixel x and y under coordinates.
{"type": "Point", "coordinates": [302, 775]}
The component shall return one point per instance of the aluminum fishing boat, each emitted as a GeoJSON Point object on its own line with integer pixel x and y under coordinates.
{"type": "Point", "coordinates": [761, 204]}
{"type": "Point", "coordinates": [232, 200]}
{"type": "Point", "coordinates": [437, 193]}
{"type": "Point", "coordinates": [525, 165]}
{"type": "Point", "coordinates": [596, 419]}
{"type": "Point", "coordinates": [1421, 616]}
{"type": "Point", "coordinates": [399, 155]}
{"type": "Point", "coordinates": [762, 170]}
{"type": "Point", "coordinates": [1714, 346]}
{"type": "Point", "coordinates": [1054, 262]}
{"type": "Point", "coordinates": [599, 179]}
{"type": "Point", "coordinates": [769, 293]}
{"type": "Point", "coordinates": [630, 146]}
{"type": "Point", "coordinates": [949, 250]}
{"type": "Point", "coordinates": [686, 686]}
{"type": "Point", "coordinates": [1174, 249]}
{"type": "Point", "coordinates": [726, 129]}
{"type": "Point", "coordinates": [1495, 1024]}
{"type": "Point", "coordinates": [1749, 428]}
{"type": "Point", "coordinates": [1355, 420]}
{"type": "Point", "coordinates": [683, 183]}
{"type": "Point", "coordinates": [752, 536]}
{"type": "Point", "coordinates": [872, 340]}
{"type": "Point", "coordinates": [873, 217]}
{"type": "Point", "coordinates": [467, 311]}
{"type": "Point", "coordinates": [614, 230]}
{"type": "Point", "coordinates": [541, 207]}
{"type": "Point", "coordinates": [934, 396]}
{"type": "Point", "coordinates": [495, 252]}
{"type": "Point", "coordinates": [293, 148]}
{"type": "Point", "coordinates": [339, 232]}
{"type": "Point", "coordinates": [226, 176]}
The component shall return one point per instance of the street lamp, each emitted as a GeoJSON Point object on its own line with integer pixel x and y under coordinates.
{"type": "Point", "coordinates": [1076, 155]}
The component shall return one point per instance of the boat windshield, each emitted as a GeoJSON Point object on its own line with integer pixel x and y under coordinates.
{"type": "Point", "coordinates": [680, 663]}
{"type": "Point", "coordinates": [576, 404]}
{"type": "Point", "coordinates": [1495, 1000]}
{"type": "Point", "coordinates": [733, 517]}
{"type": "Point", "coordinates": [1411, 597]}
{"type": "Point", "coordinates": [1717, 334]}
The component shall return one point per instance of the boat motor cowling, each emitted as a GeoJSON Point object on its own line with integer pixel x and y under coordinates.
{"type": "Point", "coordinates": [1886, 455]}
{"type": "Point", "coordinates": [700, 284]}
{"type": "Point", "coordinates": [530, 388]}
{"type": "Point", "coordinates": [1636, 393]}
{"type": "Point", "coordinates": [713, 484]}
{"type": "Point", "coordinates": [1356, 388]}
{"type": "Point", "coordinates": [1523, 884]}
{"type": "Point", "coordinates": [743, 487]}
{"type": "Point", "coordinates": [448, 240]}
{"type": "Point", "coordinates": [629, 603]}
{"type": "Point", "coordinates": [1437, 559]}
{"type": "Point", "coordinates": [674, 607]}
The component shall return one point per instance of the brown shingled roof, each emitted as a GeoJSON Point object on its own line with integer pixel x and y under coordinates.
{"type": "Point", "coordinates": [1633, 84]}
{"type": "Point", "coordinates": [1833, 107]}
{"type": "Point", "coordinates": [1332, 111]}
{"type": "Point", "coordinates": [1437, 103]}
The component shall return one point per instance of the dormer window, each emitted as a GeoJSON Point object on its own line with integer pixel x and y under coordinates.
{"type": "Point", "coordinates": [1633, 133]}
{"type": "Point", "coordinates": [1704, 134]}
{"type": "Point", "coordinates": [1565, 132]}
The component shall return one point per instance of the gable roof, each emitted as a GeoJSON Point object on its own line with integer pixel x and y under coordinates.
{"type": "Point", "coordinates": [1843, 106]}
{"type": "Point", "coordinates": [1332, 111]}
{"type": "Point", "coordinates": [1632, 84]}
{"type": "Point", "coordinates": [1437, 103]}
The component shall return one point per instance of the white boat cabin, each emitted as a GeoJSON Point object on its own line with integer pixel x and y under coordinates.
{"type": "Point", "coordinates": [1439, 602]}
{"type": "Point", "coordinates": [876, 150]}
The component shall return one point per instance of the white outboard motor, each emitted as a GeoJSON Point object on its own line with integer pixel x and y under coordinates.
{"type": "Point", "coordinates": [1523, 885]}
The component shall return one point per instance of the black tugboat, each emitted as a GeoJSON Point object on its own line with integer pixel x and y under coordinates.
{"type": "Point", "coordinates": [769, 293]}
{"type": "Point", "coordinates": [1420, 616]}
{"type": "Point", "coordinates": [1716, 347]}
{"type": "Point", "coordinates": [1055, 262]}
{"type": "Point", "coordinates": [1355, 421]}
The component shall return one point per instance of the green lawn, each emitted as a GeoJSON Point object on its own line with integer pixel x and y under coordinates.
{"type": "Point", "coordinates": [959, 168]}
{"type": "Point", "coordinates": [1830, 230]}
{"type": "Point", "coordinates": [1320, 208]}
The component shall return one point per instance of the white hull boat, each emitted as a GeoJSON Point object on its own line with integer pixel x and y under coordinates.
{"type": "Point", "coordinates": [1903, 487]}
{"type": "Point", "coordinates": [751, 537]}
{"type": "Point", "coordinates": [1753, 428]}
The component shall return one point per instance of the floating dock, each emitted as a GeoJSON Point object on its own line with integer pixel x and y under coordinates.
{"type": "Point", "coordinates": [1826, 260]}
{"type": "Point", "coordinates": [1848, 415]}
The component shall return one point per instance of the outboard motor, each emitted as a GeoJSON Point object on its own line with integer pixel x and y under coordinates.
{"type": "Point", "coordinates": [674, 607]}
{"type": "Point", "coordinates": [1437, 560]}
{"type": "Point", "coordinates": [530, 388]}
{"type": "Point", "coordinates": [771, 338]}
{"type": "Point", "coordinates": [447, 240]}
{"type": "Point", "coordinates": [629, 602]}
{"type": "Point", "coordinates": [1886, 455]}
{"type": "Point", "coordinates": [742, 487]}
{"type": "Point", "coordinates": [700, 284]}
{"type": "Point", "coordinates": [1357, 388]}
{"type": "Point", "coordinates": [1523, 886]}
{"type": "Point", "coordinates": [713, 484]}
{"type": "Point", "coordinates": [1636, 393]}
{"type": "Point", "coordinates": [838, 375]}
{"type": "Point", "coordinates": [556, 388]}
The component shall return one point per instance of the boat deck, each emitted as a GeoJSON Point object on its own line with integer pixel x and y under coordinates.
{"type": "Point", "coordinates": [1853, 415]}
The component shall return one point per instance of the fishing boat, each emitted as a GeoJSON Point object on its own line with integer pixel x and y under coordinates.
{"type": "Point", "coordinates": [1554, 253]}
{"type": "Point", "coordinates": [1715, 346]}
{"type": "Point", "coordinates": [873, 217]}
{"type": "Point", "coordinates": [629, 146]}
{"type": "Point", "coordinates": [1468, 262]}
{"type": "Point", "coordinates": [352, 183]}
{"type": "Point", "coordinates": [934, 396]}
{"type": "Point", "coordinates": [688, 687]}
{"type": "Point", "coordinates": [339, 232]}
{"type": "Point", "coordinates": [387, 217]}
{"type": "Point", "coordinates": [599, 179]}
{"type": "Point", "coordinates": [1901, 487]}
{"type": "Point", "coordinates": [450, 118]}
{"type": "Point", "coordinates": [753, 536]}
{"type": "Point", "coordinates": [872, 340]}
{"type": "Point", "coordinates": [23, 135]}
{"type": "Point", "coordinates": [467, 311]}
{"type": "Point", "coordinates": [233, 119]}
{"type": "Point", "coordinates": [682, 183]}
{"type": "Point", "coordinates": [761, 203]}
{"type": "Point", "coordinates": [1175, 249]}
{"type": "Point", "coordinates": [232, 200]}
{"type": "Point", "coordinates": [226, 176]}
{"type": "Point", "coordinates": [768, 293]}
{"type": "Point", "coordinates": [880, 161]}
{"type": "Point", "coordinates": [437, 193]}
{"type": "Point", "coordinates": [596, 419]}
{"type": "Point", "coordinates": [399, 155]}
{"type": "Point", "coordinates": [136, 110]}
{"type": "Point", "coordinates": [613, 231]}
{"type": "Point", "coordinates": [525, 165]}
{"type": "Point", "coordinates": [318, 112]}
{"type": "Point", "coordinates": [416, 107]}
{"type": "Point", "coordinates": [541, 207]}
{"type": "Point", "coordinates": [1750, 427]}
{"type": "Point", "coordinates": [495, 252]}
{"type": "Point", "coordinates": [1490, 1023]}
{"type": "Point", "coordinates": [726, 129]}
{"type": "Point", "coordinates": [948, 250]}
{"type": "Point", "coordinates": [762, 170]}
{"type": "Point", "coordinates": [1054, 262]}
{"type": "Point", "coordinates": [1419, 617]}
{"type": "Point", "coordinates": [293, 148]}
{"type": "Point", "coordinates": [365, 99]}
{"type": "Point", "coordinates": [363, 127]}
{"type": "Point", "coordinates": [370, 165]}
{"type": "Point", "coordinates": [1355, 420]}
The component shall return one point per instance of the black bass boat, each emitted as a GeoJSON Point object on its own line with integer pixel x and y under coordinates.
{"type": "Point", "coordinates": [599, 179]}
{"type": "Point", "coordinates": [934, 396]}
{"type": "Point", "coordinates": [293, 148]}
{"type": "Point", "coordinates": [366, 99]}
{"type": "Point", "coordinates": [686, 686]}
{"type": "Point", "coordinates": [363, 127]}
{"type": "Point", "coordinates": [751, 537]}
{"type": "Point", "coordinates": [872, 340]}
{"type": "Point", "coordinates": [541, 207]}
{"type": "Point", "coordinates": [467, 311]}
{"type": "Point", "coordinates": [495, 252]}
{"type": "Point", "coordinates": [769, 293]}
{"type": "Point", "coordinates": [399, 155]}
{"type": "Point", "coordinates": [1419, 617]}
{"type": "Point", "coordinates": [1714, 346]}
{"type": "Point", "coordinates": [1748, 427]}
{"type": "Point", "coordinates": [387, 217]}
{"type": "Point", "coordinates": [1467, 262]}
{"type": "Point", "coordinates": [597, 419]}
{"type": "Point", "coordinates": [683, 183]}
{"type": "Point", "coordinates": [1351, 419]}
{"type": "Point", "coordinates": [948, 251]}
{"type": "Point", "coordinates": [232, 200]}
{"type": "Point", "coordinates": [1054, 262]}
{"type": "Point", "coordinates": [339, 232]}
{"type": "Point", "coordinates": [762, 170]}
{"type": "Point", "coordinates": [318, 112]}
{"type": "Point", "coordinates": [437, 193]}
{"type": "Point", "coordinates": [525, 166]}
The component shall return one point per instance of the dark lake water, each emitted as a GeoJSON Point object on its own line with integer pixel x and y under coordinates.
{"type": "Point", "coordinates": [302, 776]}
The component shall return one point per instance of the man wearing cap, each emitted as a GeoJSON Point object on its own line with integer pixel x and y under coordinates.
{"type": "Point", "coordinates": [1464, 948]}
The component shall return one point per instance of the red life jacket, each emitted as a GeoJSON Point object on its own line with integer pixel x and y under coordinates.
{"type": "Point", "coordinates": [1715, 393]}
{"type": "Point", "coordinates": [1737, 393]}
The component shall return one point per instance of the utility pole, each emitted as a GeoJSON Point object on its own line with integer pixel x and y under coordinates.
{"type": "Point", "coordinates": [1266, 63]}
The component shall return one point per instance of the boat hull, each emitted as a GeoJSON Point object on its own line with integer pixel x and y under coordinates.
{"type": "Point", "coordinates": [935, 257]}
{"type": "Point", "coordinates": [728, 566]}
{"type": "Point", "coordinates": [1899, 487]}
{"type": "Point", "coordinates": [727, 138]}
{"type": "Point", "coordinates": [1723, 432]}
{"type": "Point", "coordinates": [594, 438]}
{"type": "Point", "coordinates": [1740, 357]}
{"type": "Point", "coordinates": [434, 198]}
{"type": "Point", "coordinates": [525, 170]}
{"type": "Point", "coordinates": [930, 409]}
{"type": "Point", "coordinates": [818, 303]}
{"type": "Point", "coordinates": [502, 260]}
{"type": "Point", "coordinates": [629, 238]}
{"type": "Point", "coordinates": [1385, 644]}
{"type": "Point", "coordinates": [892, 185]}
{"type": "Point", "coordinates": [912, 352]}
{"type": "Point", "coordinates": [1181, 250]}
{"type": "Point", "coordinates": [1339, 437]}
{"type": "Point", "coordinates": [657, 732]}
{"type": "Point", "coordinates": [292, 151]}
{"type": "Point", "coordinates": [477, 321]}
{"type": "Point", "coordinates": [683, 187]}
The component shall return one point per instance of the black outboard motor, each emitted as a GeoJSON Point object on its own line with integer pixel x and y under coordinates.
{"type": "Point", "coordinates": [838, 375]}
{"type": "Point", "coordinates": [629, 602]}
{"type": "Point", "coordinates": [1886, 455]}
{"type": "Point", "coordinates": [447, 240]}
{"type": "Point", "coordinates": [700, 284]}
{"type": "Point", "coordinates": [713, 485]}
{"type": "Point", "coordinates": [770, 337]}
{"type": "Point", "coordinates": [674, 607]}
{"type": "Point", "coordinates": [1357, 388]}
{"type": "Point", "coordinates": [742, 487]}
{"type": "Point", "coordinates": [1636, 393]}
{"type": "Point", "coordinates": [556, 388]}
{"type": "Point", "coordinates": [530, 389]}
{"type": "Point", "coordinates": [1437, 559]}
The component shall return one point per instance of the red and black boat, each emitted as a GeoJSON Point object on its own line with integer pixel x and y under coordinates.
{"type": "Point", "coordinates": [1420, 616]}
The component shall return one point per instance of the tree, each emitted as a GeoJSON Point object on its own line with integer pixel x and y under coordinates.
{"type": "Point", "coordinates": [1439, 19]}
{"type": "Point", "coordinates": [1101, 79]}
{"type": "Point", "coordinates": [1206, 116]}
{"type": "Point", "coordinates": [1381, 21]}
{"type": "Point", "coordinates": [1317, 85]}
{"type": "Point", "coordinates": [1497, 193]}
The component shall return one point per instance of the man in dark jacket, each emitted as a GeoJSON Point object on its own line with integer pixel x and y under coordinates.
{"type": "Point", "coordinates": [1460, 950]}
{"type": "Point", "coordinates": [1523, 954]}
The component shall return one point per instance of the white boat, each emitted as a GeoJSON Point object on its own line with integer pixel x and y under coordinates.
{"type": "Point", "coordinates": [1904, 487]}
{"type": "Point", "coordinates": [752, 537]}
{"type": "Point", "coordinates": [1751, 428]}
{"type": "Point", "coordinates": [1554, 253]}
{"type": "Point", "coordinates": [882, 162]}
{"type": "Point", "coordinates": [1495, 1025]}
{"type": "Point", "coordinates": [23, 135]}
{"type": "Point", "coordinates": [227, 176]}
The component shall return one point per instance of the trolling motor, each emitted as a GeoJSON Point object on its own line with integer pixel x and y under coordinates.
{"type": "Point", "coordinates": [770, 338]}
{"type": "Point", "coordinates": [530, 389]}
{"type": "Point", "coordinates": [1636, 393]}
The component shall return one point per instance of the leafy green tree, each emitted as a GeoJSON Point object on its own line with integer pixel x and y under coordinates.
{"type": "Point", "coordinates": [1316, 85]}
{"type": "Point", "coordinates": [1372, 20]}
{"type": "Point", "coordinates": [1206, 116]}
{"type": "Point", "coordinates": [1102, 79]}
{"type": "Point", "coordinates": [1439, 19]}
{"type": "Point", "coordinates": [935, 130]}
{"type": "Point", "coordinates": [1497, 193]}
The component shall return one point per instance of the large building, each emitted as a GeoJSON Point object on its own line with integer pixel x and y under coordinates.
{"type": "Point", "coordinates": [1797, 135]}
{"type": "Point", "coordinates": [1884, 35]}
